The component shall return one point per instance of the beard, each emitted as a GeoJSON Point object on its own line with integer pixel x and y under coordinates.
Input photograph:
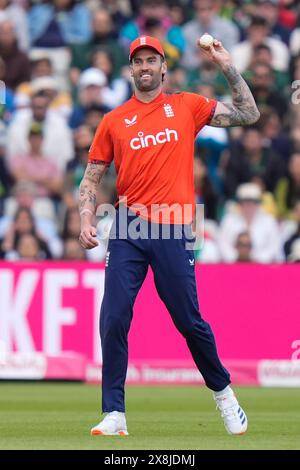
{"type": "Point", "coordinates": [148, 84]}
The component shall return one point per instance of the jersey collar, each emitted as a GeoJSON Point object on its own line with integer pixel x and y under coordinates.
{"type": "Point", "coordinates": [158, 98]}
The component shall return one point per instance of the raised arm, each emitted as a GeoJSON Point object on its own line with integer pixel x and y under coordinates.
{"type": "Point", "coordinates": [88, 200]}
{"type": "Point", "coordinates": [243, 110]}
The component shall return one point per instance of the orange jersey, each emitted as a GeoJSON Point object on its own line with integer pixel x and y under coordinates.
{"type": "Point", "coordinates": [152, 145]}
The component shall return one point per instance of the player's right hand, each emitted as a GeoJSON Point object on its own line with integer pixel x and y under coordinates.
{"type": "Point", "coordinates": [87, 237]}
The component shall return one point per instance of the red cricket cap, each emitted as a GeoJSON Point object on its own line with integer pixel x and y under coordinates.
{"type": "Point", "coordinates": [146, 41]}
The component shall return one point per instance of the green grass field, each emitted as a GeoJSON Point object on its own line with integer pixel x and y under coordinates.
{"type": "Point", "coordinates": [59, 416]}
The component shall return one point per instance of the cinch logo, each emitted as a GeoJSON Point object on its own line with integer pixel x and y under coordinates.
{"type": "Point", "coordinates": [160, 138]}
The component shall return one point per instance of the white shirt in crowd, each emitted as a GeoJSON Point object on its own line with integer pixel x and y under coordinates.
{"type": "Point", "coordinates": [242, 55]}
{"type": "Point", "coordinates": [264, 233]}
{"type": "Point", "coordinates": [58, 140]}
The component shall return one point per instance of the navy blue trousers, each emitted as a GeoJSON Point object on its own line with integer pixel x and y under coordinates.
{"type": "Point", "coordinates": [173, 268]}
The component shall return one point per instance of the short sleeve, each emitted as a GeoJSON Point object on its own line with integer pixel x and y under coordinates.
{"type": "Point", "coordinates": [102, 145]}
{"type": "Point", "coordinates": [201, 108]}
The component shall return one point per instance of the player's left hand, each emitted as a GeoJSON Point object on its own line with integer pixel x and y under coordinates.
{"type": "Point", "coordinates": [217, 53]}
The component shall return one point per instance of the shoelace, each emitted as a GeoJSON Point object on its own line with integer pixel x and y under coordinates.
{"type": "Point", "coordinates": [229, 412]}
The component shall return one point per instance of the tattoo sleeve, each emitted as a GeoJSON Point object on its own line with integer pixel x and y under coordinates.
{"type": "Point", "coordinates": [88, 188]}
{"type": "Point", "coordinates": [243, 110]}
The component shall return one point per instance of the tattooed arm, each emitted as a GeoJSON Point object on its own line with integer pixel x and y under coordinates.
{"type": "Point", "coordinates": [88, 200]}
{"type": "Point", "coordinates": [243, 110]}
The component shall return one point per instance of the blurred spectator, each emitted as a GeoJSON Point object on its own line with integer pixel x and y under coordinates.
{"type": "Point", "coordinates": [59, 23]}
{"type": "Point", "coordinates": [104, 34]}
{"type": "Point", "coordinates": [17, 64]}
{"type": "Point", "coordinates": [157, 9]}
{"type": "Point", "coordinates": [17, 16]}
{"type": "Point", "coordinates": [35, 168]}
{"type": "Point", "coordinates": [43, 82]}
{"type": "Point", "coordinates": [28, 248]}
{"type": "Point", "coordinates": [90, 89]}
{"type": "Point", "coordinates": [295, 38]}
{"type": "Point", "coordinates": [205, 193]}
{"type": "Point", "coordinates": [258, 33]}
{"type": "Point", "coordinates": [288, 188]}
{"type": "Point", "coordinates": [262, 54]}
{"type": "Point", "coordinates": [212, 142]}
{"type": "Point", "coordinates": [206, 21]}
{"type": "Point", "coordinates": [249, 158]}
{"type": "Point", "coordinates": [243, 247]}
{"type": "Point", "coordinates": [294, 256]}
{"type": "Point", "coordinates": [71, 227]}
{"type": "Point", "coordinates": [76, 167]}
{"type": "Point", "coordinates": [269, 9]}
{"type": "Point", "coordinates": [57, 142]}
{"type": "Point", "coordinates": [93, 116]}
{"type": "Point", "coordinates": [117, 89]}
{"type": "Point", "coordinates": [154, 28]}
{"type": "Point", "coordinates": [176, 80]}
{"type": "Point", "coordinates": [119, 10]}
{"type": "Point", "coordinates": [295, 235]}
{"type": "Point", "coordinates": [7, 98]}
{"type": "Point", "coordinates": [264, 92]}
{"type": "Point", "coordinates": [263, 229]}
{"type": "Point", "coordinates": [54, 26]}
{"type": "Point", "coordinates": [273, 135]}
{"type": "Point", "coordinates": [73, 251]}
{"type": "Point", "coordinates": [42, 210]}
{"type": "Point", "coordinates": [22, 224]}
{"type": "Point", "coordinates": [5, 180]}
{"type": "Point", "coordinates": [209, 75]}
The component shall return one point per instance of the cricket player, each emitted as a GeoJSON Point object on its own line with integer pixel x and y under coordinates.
{"type": "Point", "coordinates": [151, 140]}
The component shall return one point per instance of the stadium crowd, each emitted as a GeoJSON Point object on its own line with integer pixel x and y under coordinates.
{"type": "Point", "coordinates": [64, 64]}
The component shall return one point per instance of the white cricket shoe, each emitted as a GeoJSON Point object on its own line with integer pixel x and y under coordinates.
{"type": "Point", "coordinates": [114, 424]}
{"type": "Point", "coordinates": [234, 417]}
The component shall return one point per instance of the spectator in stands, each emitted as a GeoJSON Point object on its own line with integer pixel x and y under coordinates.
{"type": "Point", "coordinates": [73, 251]}
{"type": "Point", "coordinates": [262, 86]}
{"type": "Point", "coordinates": [28, 248]}
{"type": "Point", "coordinates": [288, 188]}
{"type": "Point", "coordinates": [105, 35]}
{"type": "Point", "coordinates": [83, 138]}
{"type": "Point", "coordinates": [7, 97]}
{"type": "Point", "coordinates": [17, 64]}
{"type": "Point", "coordinates": [59, 23]}
{"type": "Point", "coordinates": [90, 88]}
{"type": "Point", "coordinates": [206, 20]}
{"type": "Point", "coordinates": [156, 9]}
{"type": "Point", "coordinates": [295, 235]}
{"type": "Point", "coordinates": [14, 13]}
{"type": "Point", "coordinates": [249, 158]}
{"type": "Point", "coordinates": [243, 247]}
{"type": "Point", "coordinates": [269, 9]}
{"type": "Point", "coordinates": [204, 190]}
{"type": "Point", "coordinates": [43, 82]}
{"type": "Point", "coordinates": [46, 177]}
{"type": "Point", "coordinates": [258, 33]}
{"type": "Point", "coordinates": [71, 226]}
{"type": "Point", "coordinates": [22, 224]}
{"type": "Point", "coordinates": [294, 256]}
{"type": "Point", "coordinates": [5, 180]}
{"type": "Point", "coordinates": [93, 116]}
{"type": "Point", "coordinates": [57, 142]}
{"type": "Point", "coordinates": [262, 227]}
{"type": "Point", "coordinates": [43, 211]}
{"type": "Point", "coordinates": [262, 54]}
{"type": "Point", "coordinates": [54, 26]}
{"type": "Point", "coordinates": [117, 89]}
{"type": "Point", "coordinates": [273, 136]}
{"type": "Point", "coordinates": [154, 27]}
{"type": "Point", "coordinates": [120, 10]}
{"type": "Point", "coordinates": [295, 38]}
